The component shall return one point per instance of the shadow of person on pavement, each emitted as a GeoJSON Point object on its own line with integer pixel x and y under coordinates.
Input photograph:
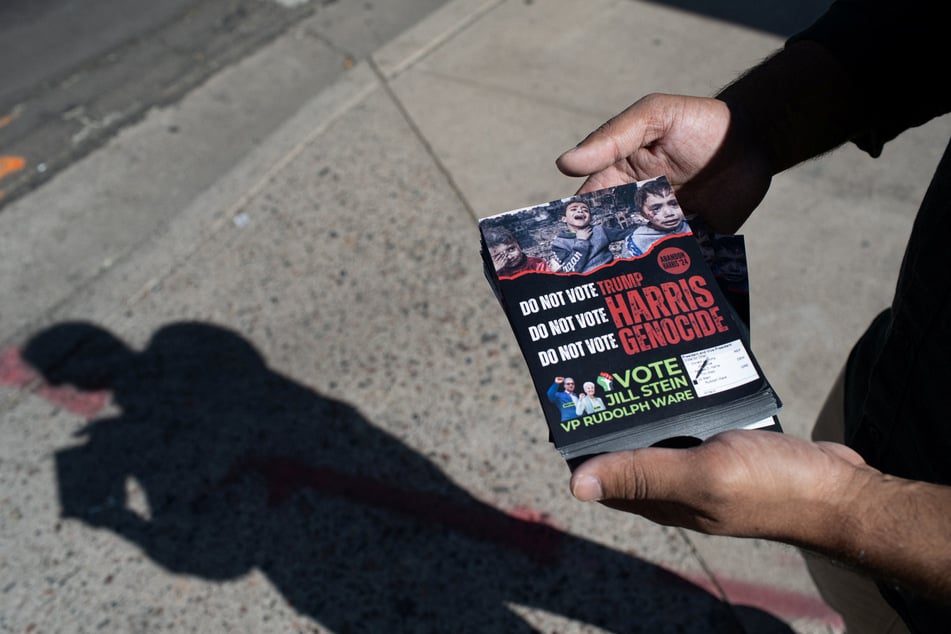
{"type": "Point", "coordinates": [241, 468]}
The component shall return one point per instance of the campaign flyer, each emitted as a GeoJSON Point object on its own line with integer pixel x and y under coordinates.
{"type": "Point", "coordinates": [627, 332]}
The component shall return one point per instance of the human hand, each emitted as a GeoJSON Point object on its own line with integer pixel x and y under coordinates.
{"type": "Point", "coordinates": [715, 166]}
{"type": "Point", "coordinates": [739, 483]}
{"type": "Point", "coordinates": [584, 234]}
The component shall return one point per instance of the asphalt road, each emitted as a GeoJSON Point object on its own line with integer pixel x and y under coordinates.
{"type": "Point", "coordinates": [73, 74]}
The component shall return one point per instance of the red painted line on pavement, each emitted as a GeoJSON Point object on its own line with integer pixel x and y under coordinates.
{"type": "Point", "coordinates": [14, 371]}
{"type": "Point", "coordinates": [524, 530]}
{"type": "Point", "coordinates": [17, 373]}
{"type": "Point", "coordinates": [786, 604]}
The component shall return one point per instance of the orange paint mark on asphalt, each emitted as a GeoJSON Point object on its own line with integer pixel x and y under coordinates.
{"type": "Point", "coordinates": [7, 119]}
{"type": "Point", "coordinates": [11, 164]}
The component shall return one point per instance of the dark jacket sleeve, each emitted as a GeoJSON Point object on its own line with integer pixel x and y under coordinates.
{"type": "Point", "coordinates": [896, 54]}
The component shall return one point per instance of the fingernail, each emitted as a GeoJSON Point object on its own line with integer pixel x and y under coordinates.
{"type": "Point", "coordinates": [587, 488]}
{"type": "Point", "coordinates": [571, 150]}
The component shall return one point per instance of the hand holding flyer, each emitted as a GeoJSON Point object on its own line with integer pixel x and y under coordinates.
{"type": "Point", "coordinates": [626, 307]}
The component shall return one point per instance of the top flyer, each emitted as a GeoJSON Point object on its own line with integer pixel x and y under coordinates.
{"type": "Point", "coordinates": [628, 334]}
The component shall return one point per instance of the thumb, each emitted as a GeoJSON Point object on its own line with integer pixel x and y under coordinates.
{"type": "Point", "coordinates": [643, 474]}
{"type": "Point", "coordinates": [615, 140]}
{"type": "Point", "coordinates": [596, 152]}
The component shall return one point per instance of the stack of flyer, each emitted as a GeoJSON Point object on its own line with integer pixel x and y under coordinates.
{"type": "Point", "coordinates": [634, 324]}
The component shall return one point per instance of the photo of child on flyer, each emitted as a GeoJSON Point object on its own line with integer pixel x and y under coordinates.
{"type": "Point", "coordinates": [582, 246]}
{"type": "Point", "coordinates": [660, 210]}
{"type": "Point", "coordinates": [582, 233]}
{"type": "Point", "coordinates": [507, 255]}
{"type": "Point", "coordinates": [572, 235]}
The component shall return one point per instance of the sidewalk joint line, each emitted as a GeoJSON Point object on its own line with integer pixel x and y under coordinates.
{"type": "Point", "coordinates": [436, 42]}
{"type": "Point", "coordinates": [252, 192]}
{"type": "Point", "coordinates": [714, 580]}
{"type": "Point", "coordinates": [423, 140]}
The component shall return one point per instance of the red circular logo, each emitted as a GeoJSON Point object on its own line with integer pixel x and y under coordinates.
{"type": "Point", "coordinates": [673, 260]}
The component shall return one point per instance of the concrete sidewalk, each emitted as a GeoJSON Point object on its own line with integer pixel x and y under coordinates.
{"type": "Point", "coordinates": [298, 407]}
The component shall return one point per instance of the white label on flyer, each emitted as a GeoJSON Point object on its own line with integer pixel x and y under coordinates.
{"type": "Point", "coordinates": [720, 368]}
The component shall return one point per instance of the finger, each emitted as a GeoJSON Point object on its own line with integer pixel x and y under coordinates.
{"type": "Point", "coordinates": [644, 474]}
{"type": "Point", "coordinates": [610, 177]}
{"type": "Point", "coordinates": [614, 141]}
{"type": "Point", "coordinates": [596, 152]}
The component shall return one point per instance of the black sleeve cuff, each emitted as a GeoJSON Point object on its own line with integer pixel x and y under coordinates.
{"type": "Point", "coordinates": [896, 54]}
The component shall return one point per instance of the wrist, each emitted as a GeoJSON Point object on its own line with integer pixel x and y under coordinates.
{"type": "Point", "coordinates": [825, 513]}
{"type": "Point", "coordinates": [797, 104]}
{"type": "Point", "coordinates": [889, 528]}
{"type": "Point", "coordinates": [844, 520]}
